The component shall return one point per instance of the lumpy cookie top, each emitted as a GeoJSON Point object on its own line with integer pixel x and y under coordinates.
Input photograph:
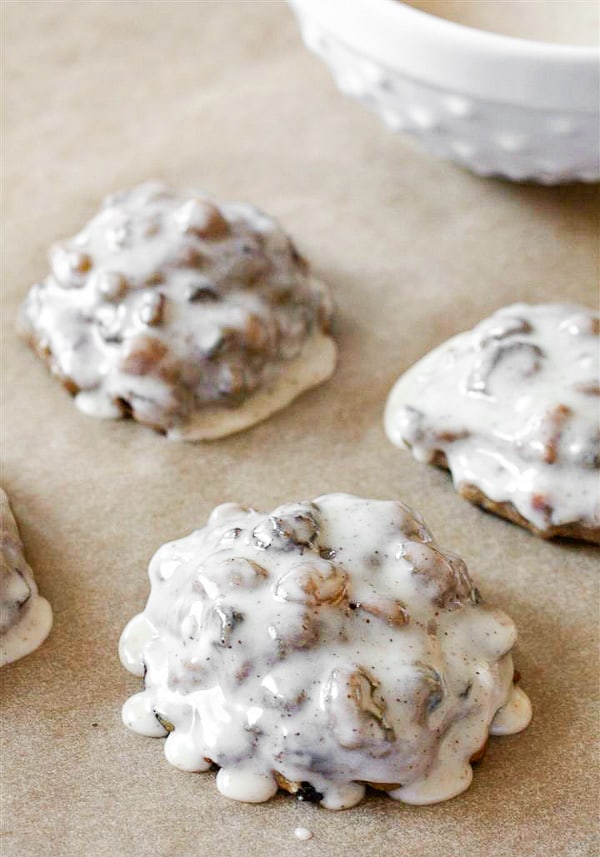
{"type": "Point", "coordinates": [512, 409]}
{"type": "Point", "coordinates": [326, 645]}
{"type": "Point", "coordinates": [166, 305]}
{"type": "Point", "coordinates": [25, 617]}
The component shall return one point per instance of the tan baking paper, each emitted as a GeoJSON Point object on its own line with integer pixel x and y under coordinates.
{"type": "Point", "coordinates": [222, 96]}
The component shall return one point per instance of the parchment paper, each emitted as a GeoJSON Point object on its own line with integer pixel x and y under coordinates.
{"type": "Point", "coordinates": [222, 96]}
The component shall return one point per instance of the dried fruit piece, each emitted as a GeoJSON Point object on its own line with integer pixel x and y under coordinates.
{"type": "Point", "coordinates": [143, 355]}
{"type": "Point", "coordinates": [444, 575]}
{"type": "Point", "coordinates": [392, 611]}
{"type": "Point", "coordinates": [356, 709]}
{"type": "Point", "coordinates": [152, 310]}
{"type": "Point", "coordinates": [315, 582]}
{"type": "Point", "coordinates": [231, 573]}
{"type": "Point", "coordinates": [69, 267]}
{"type": "Point", "coordinates": [529, 362]}
{"type": "Point", "coordinates": [288, 527]}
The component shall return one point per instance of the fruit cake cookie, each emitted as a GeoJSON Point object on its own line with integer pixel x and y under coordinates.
{"type": "Point", "coordinates": [196, 318]}
{"type": "Point", "coordinates": [324, 646]}
{"type": "Point", "coordinates": [512, 409]}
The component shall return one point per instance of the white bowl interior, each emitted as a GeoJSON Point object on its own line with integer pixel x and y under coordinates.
{"type": "Point", "coordinates": [565, 22]}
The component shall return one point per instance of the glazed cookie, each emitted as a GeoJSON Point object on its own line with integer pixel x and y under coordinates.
{"type": "Point", "coordinates": [194, 318]}
{"type": "Point", "coordinates": [325, 646]}
{"type": "Point", "coordinates": [25, 617]}
{"type": "Point", "coordinates": [511, 408]}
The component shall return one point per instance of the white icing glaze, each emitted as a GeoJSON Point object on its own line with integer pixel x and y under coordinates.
{"type": "Point", "coordinates": [25, 617]}
{"type": "Point", "coordinates": [331, 643]}
{"type": "Point", "coordinates": [513, 405]}
{"type": "Point", "coordinates": [514, 712]}
{"type": "Point", "coordinates": [303, 834]}
{"type": "Point", "coordinates": [244, 782]}
{"type": "Point", "coordinates": [166, 304]}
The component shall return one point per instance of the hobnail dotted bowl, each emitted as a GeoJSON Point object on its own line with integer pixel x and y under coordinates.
{"type": "Point", "coordinates": [498, 105]}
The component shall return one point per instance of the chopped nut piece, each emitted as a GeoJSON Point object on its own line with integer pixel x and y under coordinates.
{"type": "Point", "coordinates": [188, 257]}
{"type": "Point", "coordinates": [229, 574]}
{"type": "Point", "coordinates": [589, 388]}
{"type": "Point", "coordinates": [111, 285]}
{"type": "Point", "coordinates": [555, 419]}
{"type": "Point", "coordinates": [543, 505]}
{"type": "Point", "coordinates": [152, 311]}
{"type": "Point", "coordinates": [444, 574]}
{"type": "Point", "coordinates": [294, 633]}
{"type": "Point", "coordinates": [391, 611]}
{"type": "Point", "coordinates": [163, 722]}
{"type": "Point", "coordinates": [501, 329]}
{"type": "Point", "coordinates": [203, 219]}
{"type": "Point", "coordinates": [255, 335]}
{"type": "Point", "coordinates": [356, 710]}
{"type": "Point", "coordinates": [315, 583]}
{"type": "Point", "coordinates": [143, 355]}
{"type": "Point", "coordinates": [288, 527]}
{"type": "Point", "coordinates": [69, 266]}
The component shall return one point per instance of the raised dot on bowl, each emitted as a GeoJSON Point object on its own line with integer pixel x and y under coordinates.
{"type": "Point", "coordinates": [423, 117]}
{"type": "Point", "coordinates": [463, 149]}
{"type": "Point", "coordinates": [458, 106]}
{"type": "Point", "coordinates": [393, 120]}
{"type": "Point", "coordinates": [313, 36]}
{"type": "Point", "coordinates": [563, 125]}
{"type": "Point", "coordinates": [512, 141]}
{"type": "Point", "coordinates": [372, 72]}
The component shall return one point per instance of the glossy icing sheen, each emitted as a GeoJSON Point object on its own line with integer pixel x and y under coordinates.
{"type": "Point", "coordinates": [513, 405]}
{"type": "Point", "coordinates": [25, 617]}
{"type": "Point", "coordinates": [328, 644]}
{"type": "Point", "coordinates": [167, 303]}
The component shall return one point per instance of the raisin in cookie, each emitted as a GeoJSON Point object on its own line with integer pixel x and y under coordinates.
{"type": "Point", "coordinates": [511, 408]}
{"type": "Point", "coordinates": [25, 617]}
{"type": "Point", "coordinates": [194, 318]}
{"type": "Point", "coordinates": [326, 645]}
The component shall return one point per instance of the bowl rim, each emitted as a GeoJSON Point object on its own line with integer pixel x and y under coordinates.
{"type": "Point", "coordinates": [464, 59]}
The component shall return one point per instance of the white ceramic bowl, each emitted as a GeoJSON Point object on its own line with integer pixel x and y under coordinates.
{"type": "Point", "coordinates": [520, 109]}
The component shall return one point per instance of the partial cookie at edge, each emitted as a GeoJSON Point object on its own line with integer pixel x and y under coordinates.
{"type": "Point", "coordinates": [25, 617]}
